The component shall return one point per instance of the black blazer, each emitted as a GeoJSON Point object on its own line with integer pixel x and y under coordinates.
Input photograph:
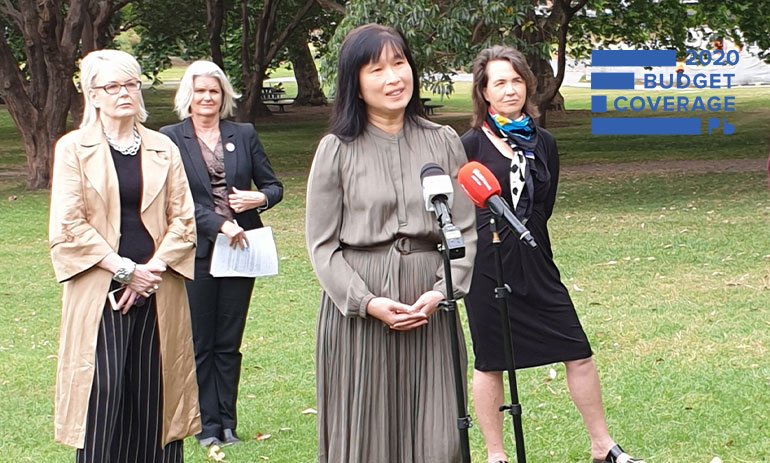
{"type": "Point", "coordinates": [247, 163]}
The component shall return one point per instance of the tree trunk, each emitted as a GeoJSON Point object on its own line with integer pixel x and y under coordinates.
{"type": "Point", "coordinates": [251, 106]}
{"type": "Point", "coordinates": [214, 18]}
{"type": "Point", "coordinates": [40, 98]}
{"type": "Point", "coordinates": [267, 42]}
{"type": "Point", "coordinates": [38, 144]}
{"type": "Point", "coordinates": [545, 83]}
{"type": "Point", "coordinates": [309, 91]}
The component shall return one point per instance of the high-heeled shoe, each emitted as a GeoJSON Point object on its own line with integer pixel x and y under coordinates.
{"type": "Point", "coordinates": [617, 455]}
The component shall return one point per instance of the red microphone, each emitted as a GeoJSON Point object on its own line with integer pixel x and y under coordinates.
{"type": "Point", "coordinates": [478, 183]}
{"type": "Point", "coordinates": [482, 187]}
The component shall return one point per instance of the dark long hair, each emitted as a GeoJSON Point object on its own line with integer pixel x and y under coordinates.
{"type": "Point", "coordinates": [480, 79]}
{"type": "Point", "coordinates": [364, 45]}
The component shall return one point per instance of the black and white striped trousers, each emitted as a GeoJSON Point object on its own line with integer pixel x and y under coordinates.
{"type": "Point", "coordinates": [125, 418]}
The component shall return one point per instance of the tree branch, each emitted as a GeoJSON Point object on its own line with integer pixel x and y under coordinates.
{"type": "Point", "coordinates": [331, 5]}
{"type": "Point", "coordinates": [578, 6]}
{"type": "Point", "coordinates": [11, 12]}
{"type": "Point", "coordinates": [117, 7]}
{"type": "Point", "coordinates": [12, 84]}
{"type": "Point", "coordinates": [73, 27]}
{"type": "Point", "coordinates": [476, 31]}
{"type": "Point", "coordinates": [278, 43]}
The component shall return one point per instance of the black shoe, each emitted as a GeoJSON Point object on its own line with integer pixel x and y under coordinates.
{"type": "Point", "coordinates": [207, 442]}
{"type": "Point", "coordinates": [230, 438]}
{"type": "Point", "coordinates": [617, 455]}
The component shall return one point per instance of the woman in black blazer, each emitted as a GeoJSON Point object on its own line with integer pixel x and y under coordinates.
{"type": "Point", "coordinates": [222, 159]}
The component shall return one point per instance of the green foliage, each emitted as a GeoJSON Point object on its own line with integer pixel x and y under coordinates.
{"type": "Point", "coordinates": [168, 29]}
{"type": "Point", "coordinates": [440, 34]}
{"type": "Point", "coordinates": [669, 24]}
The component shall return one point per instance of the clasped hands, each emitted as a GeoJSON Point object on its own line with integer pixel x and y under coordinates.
{"type": "Point", "coordinates": [143, 283]}
{"type": "Point", "coordinates": [402, 317]}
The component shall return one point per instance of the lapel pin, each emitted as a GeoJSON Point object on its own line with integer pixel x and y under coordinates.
{"type": "Point", "coordinates": [230, 147]}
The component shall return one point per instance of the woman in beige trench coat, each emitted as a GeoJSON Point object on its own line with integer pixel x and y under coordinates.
{"type": "Point", "coordinates": [122, 221]}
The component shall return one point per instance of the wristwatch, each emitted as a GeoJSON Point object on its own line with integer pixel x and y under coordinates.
{"type": "Point", "coordinates": [124, 273]}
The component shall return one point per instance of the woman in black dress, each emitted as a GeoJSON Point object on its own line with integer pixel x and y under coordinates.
{"type": "Point", "coordinates": [544, 326]}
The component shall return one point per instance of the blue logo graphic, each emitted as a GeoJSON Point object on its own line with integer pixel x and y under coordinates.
{"type": "Point", "coordinates": [666, 103]}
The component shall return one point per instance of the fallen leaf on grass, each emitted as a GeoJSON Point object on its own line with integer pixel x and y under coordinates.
{"type": "Point", "coordinates": [13, 198]}
{"type": "Point", "coordinates": [216, 453]}
{"type": "Point", "coordinates": [260, 437]}
{"type": "Point", "coordinates": [309, 411]}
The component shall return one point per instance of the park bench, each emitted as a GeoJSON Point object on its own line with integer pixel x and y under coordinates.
{"type": "Point", "coordinates": [430, 108]}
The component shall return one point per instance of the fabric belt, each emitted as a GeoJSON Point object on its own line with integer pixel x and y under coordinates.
{"type": "Point", "coordinates": [402, 246]}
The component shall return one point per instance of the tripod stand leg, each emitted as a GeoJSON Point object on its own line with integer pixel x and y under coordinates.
{"type": "Point", "coordinates": [501, 294]}
{"type": "Point", "coordinates": [450, 306]}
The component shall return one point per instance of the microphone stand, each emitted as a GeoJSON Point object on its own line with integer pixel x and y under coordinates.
{"type": "Point", "coordinates": [501, 294]}
{"type": "Point", "coordinates": [450, 305]}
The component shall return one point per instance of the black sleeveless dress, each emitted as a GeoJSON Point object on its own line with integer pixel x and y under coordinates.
{"type": "Point", "coordinates": [544, 326]}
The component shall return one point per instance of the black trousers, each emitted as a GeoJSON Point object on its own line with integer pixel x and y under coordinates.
{"type": "Point", "coordinates": [125, 410]}
{"type": "Point", "coordinates": [218, 309]}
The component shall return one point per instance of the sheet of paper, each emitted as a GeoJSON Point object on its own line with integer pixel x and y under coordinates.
{"type": "Point", "coordinates": [259, 260]}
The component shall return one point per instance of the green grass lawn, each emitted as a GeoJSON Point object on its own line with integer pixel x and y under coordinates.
{"type": "Point", "coordinates": [670, 275]}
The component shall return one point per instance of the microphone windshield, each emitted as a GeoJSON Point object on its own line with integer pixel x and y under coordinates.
{"type": "Point", "coordinates": [435, 185]}
{"type": "Point", "coordinates": [478, 183]}
{"type": "Point", "coordinates": [431, 169]}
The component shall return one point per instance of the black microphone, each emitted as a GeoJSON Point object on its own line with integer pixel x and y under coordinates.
{"type": "Point", "coordinates": [482, 187]}
{"type": "Point", "coordinates": [438, 193]}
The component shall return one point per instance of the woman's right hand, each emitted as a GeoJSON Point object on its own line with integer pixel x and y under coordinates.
{"type": "Point", "coordinates": [396, 315]}
{"type": "Point", "coordinates": [127, 300]}
{"type": "Point", "coordinates": [146, 277]}
{"type": "Point", "coordinates": [236, 234]}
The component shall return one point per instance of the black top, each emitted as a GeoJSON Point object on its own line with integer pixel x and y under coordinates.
{"type": "Point", "coordinates": [135, 242]}
{"type": "Point", "coordinates": [544, 326]}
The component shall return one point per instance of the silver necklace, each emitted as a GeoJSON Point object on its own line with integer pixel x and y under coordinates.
{"type": "Point", "coordinates": [126, 150]}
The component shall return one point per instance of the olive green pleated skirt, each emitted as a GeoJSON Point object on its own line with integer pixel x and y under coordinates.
{"type": "Point", "coordinates": [387, 396]}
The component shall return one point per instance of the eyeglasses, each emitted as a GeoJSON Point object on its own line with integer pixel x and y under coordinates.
{"type": "Point", "coordinates": [113, 88]}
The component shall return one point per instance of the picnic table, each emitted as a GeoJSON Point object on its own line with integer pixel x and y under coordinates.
{"type": "Point", "coordinates": [272, 96]}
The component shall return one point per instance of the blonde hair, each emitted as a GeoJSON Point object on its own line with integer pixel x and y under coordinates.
{"type": "Point", "coordinates": [97, 61]}
{"type": "Point", "coordinates": [184, 95]}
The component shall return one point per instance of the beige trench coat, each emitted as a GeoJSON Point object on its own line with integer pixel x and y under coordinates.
{"type": "Point", "coordinates": [84, 227]}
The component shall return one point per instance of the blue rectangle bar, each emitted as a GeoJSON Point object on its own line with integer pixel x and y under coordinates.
{"type": "Point", "coordinates": [598, 103]}
{"type": "Point", "coordinates": [633, 58]}
{"type": "Point", "coordinates": [612, 81]}
{"type": "Point", "coordinates": [645, 126]}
